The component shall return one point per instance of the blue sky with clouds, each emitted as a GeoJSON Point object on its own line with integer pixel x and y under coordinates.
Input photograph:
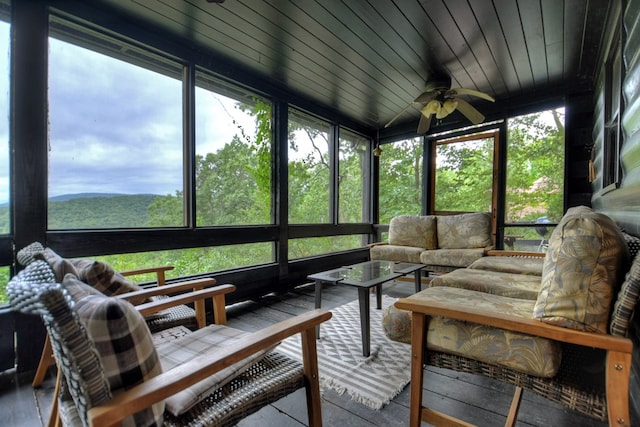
{"type": "Point", "coordinates": [115, 127]}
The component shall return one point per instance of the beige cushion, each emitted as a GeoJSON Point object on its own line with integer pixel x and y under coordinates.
{"type": "Point", "coordinates": [413, 230]}
{"type": "Point", "coordinates": [582, 271]}
{"type": "Point", "coordinates": [533, 355]}
{"type": "Point", "coordinates": [451, 257]}
{"type": "Point", "coordinates": [492, 282]}
{"type": "Point", "coordinates": [507, 264]}
{"type": "Point", "coordinates": [472, 230]}
{"type": "Point", "coordinates": [396, 253]}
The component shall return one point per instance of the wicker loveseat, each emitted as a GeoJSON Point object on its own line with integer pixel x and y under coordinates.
{"type": "Point", "coordinates": [441, 242]}
{"type": "Point", "coordinates": [567, 344]}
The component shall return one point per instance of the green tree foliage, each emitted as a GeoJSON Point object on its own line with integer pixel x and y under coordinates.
{"type": "Point", "coordinates": [464, 176]}
{"type": "Point", "coordinates": [401, 179]}
{"type": "Point", "coordinates": [535, 169]}
{"type": "Point", "coordinates": [126, 211]}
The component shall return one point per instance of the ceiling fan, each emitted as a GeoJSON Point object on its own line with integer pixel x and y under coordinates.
{"type": "Point", "coordinates": [440, 100]}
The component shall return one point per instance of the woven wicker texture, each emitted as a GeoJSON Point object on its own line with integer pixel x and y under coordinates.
{"type": "Point", "coordinates": [568, 388]}
{"type": "Point", "coordinates": [267, 381]}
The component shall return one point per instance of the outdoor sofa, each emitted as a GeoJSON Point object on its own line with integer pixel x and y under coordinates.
{"type": "Point", "coordinates": [441, 242]}
{"type": "Point", "coordinates": [561, 334]}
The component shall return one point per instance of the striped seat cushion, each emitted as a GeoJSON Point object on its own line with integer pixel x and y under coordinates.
{"type": "Point", "coordinates": [181, 347]}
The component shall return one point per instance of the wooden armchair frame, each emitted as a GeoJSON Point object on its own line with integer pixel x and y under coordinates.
{"type": "Point", "coordinates": [618, 357]}
{"type": "Point", "coordinates": [169, 383]}
{"type": "Point", "coordinates": [137, 297]}
{"type": "Point", "coordinates": [189, 293]}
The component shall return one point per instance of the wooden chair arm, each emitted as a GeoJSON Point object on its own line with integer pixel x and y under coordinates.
{"type": "Point", "coordinates": [496, 252]}
{"type": "Point", "coordinates": [168, 383]}
{"type": "Point", "coordinates": [159, 272]}
{"type": "Point", "coordinates": [516, 324]}
{"type": "Point", "coordinates": [137, 297]}
{"type": "Point", "coordinates": [197, 297]}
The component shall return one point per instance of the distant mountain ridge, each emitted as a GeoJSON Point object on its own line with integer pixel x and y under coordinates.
{"type": "Point", "coordinates": [65, 197]}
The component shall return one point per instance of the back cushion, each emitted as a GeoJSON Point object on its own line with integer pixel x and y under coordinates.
{"type": "Point", "coordinates": [103, 277]}
{"type": "Point", "coordinates": [413, 230]}
{"type": "Point", "coordinates": [123, 341]}
{"type": "Point", "coordinates": [464, 231]}
{"type": "Point", "coordinates": [586, 258]}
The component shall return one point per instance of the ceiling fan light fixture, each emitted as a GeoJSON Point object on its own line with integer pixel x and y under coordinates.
{"type": "Point", "coordinates": [432, 107]}
{"type": "Point", "coordinates": [450, 105]}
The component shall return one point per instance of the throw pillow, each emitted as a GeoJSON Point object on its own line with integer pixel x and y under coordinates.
{"type": "Point", "coordinates": [581, 271]}
{"type": "Point", "coordinates": [103, 277]}
{"type": "Point", "coordinates": [124, 343]}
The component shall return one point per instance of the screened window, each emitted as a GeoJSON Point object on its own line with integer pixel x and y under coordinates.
{"type": "Point", "coordinates": [353, 160]}
{"type": "Point", "coordinates": [192, 261]}
{"type": "Point", "coordinates": [309, 169]}
{"type": "Point", "coordinates": [400, 179]}
{"type": "Point", "coordinates": [115, 141]}
{"type": "Point", "coordinates": [233, 157]}
{"type": "Point", "coordinates": [300, 248]}
{"type": "Point", "coordinates": [464, 179]}
{"type": "Point", "coordinates": [4, 128]}
{"type": "Point", "coordinates": [535, 178]}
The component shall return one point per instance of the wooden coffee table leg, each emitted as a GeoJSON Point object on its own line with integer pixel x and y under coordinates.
{"type": "Point", "coordinates": [363, 298]}
{"type": "Point", "coordinates": [418, 280]}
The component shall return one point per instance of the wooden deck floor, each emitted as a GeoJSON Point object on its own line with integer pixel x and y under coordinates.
{"type": "Point", "coordinates": [475, 399]}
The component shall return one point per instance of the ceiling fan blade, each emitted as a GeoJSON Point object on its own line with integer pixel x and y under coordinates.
{"type": "Point", "coordinates": [471, 92]}
{"type": "Point", "coordinates": [424, 124]}
{"type": "Point", "coordinates": [398, 115]}
{"type": "Point", "coordinates": [426, 96]}
{"type": "Point", "coordinates": [469, 111]}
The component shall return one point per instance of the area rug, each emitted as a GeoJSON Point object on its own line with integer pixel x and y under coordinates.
{"type": "Point", "coordinates": [373, 381]}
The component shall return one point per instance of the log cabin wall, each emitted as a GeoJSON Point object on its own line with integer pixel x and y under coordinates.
{"type": "Point", "coordinates": [616, 156]}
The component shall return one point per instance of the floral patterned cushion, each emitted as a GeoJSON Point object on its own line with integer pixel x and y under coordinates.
{"type": "Point", "coordinates": [507, 264]}
{"type": "Point", "coordinates": [533, 355]}
{"type": "Point", "coordinates": [491, 282]}
{"type": "Point", "coordinates": [413, 230]}
{"type": "Point", "coordinates": [583, 268]}
{"type": "Point", "coordinates": [472, 230]}
{"type": "Point", "coordinates": [396, 253]}
{"type": "Point", "coordinates": [450, 257]}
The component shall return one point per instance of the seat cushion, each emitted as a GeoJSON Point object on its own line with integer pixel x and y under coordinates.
{"type": "Point", "coordinates": [185, 347]}
{"type": "Point", "coordinates": [492, 282]}
{"type": "Point", "coordinates": [471, 230]}
{"type": "Point", "coordinates": [582, 271]}
{"type": "Point", "coordinates": [413, 230]}
{"type": "Point", "coordinates": [396, 253]}
{"type": "Point", "coordinates": [533, 355]}
{"type": "Point", "coordinates": [507, 264]}
{"type": "Point", "coordinates": [451, 257]}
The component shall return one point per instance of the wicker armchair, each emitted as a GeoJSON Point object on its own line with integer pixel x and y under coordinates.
{"type": "Point", "coordinates": [174, 315]}
{"type": "Point", "coordinates": [116, 373]}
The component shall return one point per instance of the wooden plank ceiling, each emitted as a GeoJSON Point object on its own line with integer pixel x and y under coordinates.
{"type": "Point", "coordinates": [368, 59]}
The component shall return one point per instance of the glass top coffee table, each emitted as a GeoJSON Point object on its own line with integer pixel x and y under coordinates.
{"type": "Point", "coordinates": [364, 276]}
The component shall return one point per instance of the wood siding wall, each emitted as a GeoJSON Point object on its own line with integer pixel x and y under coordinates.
{"type": "Point", "coordinates": [621, 201]}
